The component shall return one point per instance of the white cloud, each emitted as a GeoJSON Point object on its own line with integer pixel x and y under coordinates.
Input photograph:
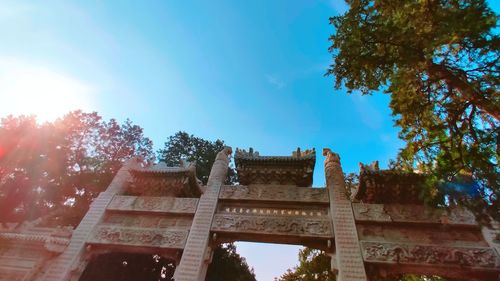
{"type": "Point", "coordinates": [27, 88]}
{"type": "Point", "coordinates": [276, 82]}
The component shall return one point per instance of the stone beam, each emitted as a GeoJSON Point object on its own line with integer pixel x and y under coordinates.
{"type": "Point", "coordinates": [153, 204]}
{"type": "Point", "coordinates": [142, 237]}
{"type": "Point", "coordinates": [273, 225]}
{"type": "Point", "coordinates": [274, 193]}
{"type": "Point", "coordinates": [411, 213]}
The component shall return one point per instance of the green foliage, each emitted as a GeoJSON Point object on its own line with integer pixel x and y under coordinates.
{"type": "Point", "coordinates": [439, 61]}
{"type": "Point", "coordinates": [193, 149]}
{"type": "Point", "coordinates": [314, 265]}
{"type": "Point", "coordinates": [54, 170]}
{"type": "Point", "coordinates": [228, 265]}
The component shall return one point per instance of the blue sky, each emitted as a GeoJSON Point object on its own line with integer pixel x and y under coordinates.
{"type": "Point", "coordinates": [247, 72]}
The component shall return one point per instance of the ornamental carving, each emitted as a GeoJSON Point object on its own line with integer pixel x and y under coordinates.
{"type": "Point", "coordinates": [297, 212]}
{"type": "Point", "coordinates": [160, 180]}
{"type": "Point", "coordinates": [411, 213]}
{"type": "Point", "coordinates": [147, 221]}
{"type": "Point", "coordinates": [139, 237]}
{"type": "Point", "coordinates": [219, 168]}
{"type": "Point", "coordinates": [272, 225]}
{"type": "Point", "coordinates": [153, 204]}
{"type": "Point", "coordinates": [295, 170]}
{"type": "Point", "coordinates": [370, 212]}
{"type": "Point", "coordinates": [274, 193]}
{"type": "Point", "coordinates": [54, 242]}
{"type": "Point", "coordinates": [392, 233]}
{"type": "Point", "coordinates": [428, 255]}
{"type": "Point", "coordinates": [332, 162]}
{"type": "Point", "coordinates": [156, 186]}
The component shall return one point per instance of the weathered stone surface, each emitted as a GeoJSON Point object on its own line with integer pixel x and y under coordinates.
{"type": "Point", "coordinates": [272, 225]}
{"type": "Point", "coordinates": [155, 204]}
{"type": "Point", "coordinates": [160, 180]}
{"type": "Point", "coordinates": [295, 170]}
{"type": "Point", "coordinates": [492, 235]}
{"type": "Point", "coordinates": [14, 275]}
{"type": "Point", "coordinates": [422, 234]}
{"type": "Point", "coordinates": [147, 221]}
{"type": "Point", "coordinates": [138, 237]}
{"type": "Point", "coordinates": [274, 193]}
{"type": "Point", "coordinates": [429, 254]}
{"type": "Point", "coordinates": [49, 241]}
{"type": "Point", "coordinates": [251, 209]}
{"type": "Point", "coordinates": [388, 186]}
{"type": "Point", "coordinates": [64, 266]}
{"type": "Point", "coordinates": [409, 213]}
{"type": "Point", "coordinates": [349, 260]}
{"type": "Point", "coordinates": [390, 238]}
{"type": "Point", "coordinates": [194, 262]}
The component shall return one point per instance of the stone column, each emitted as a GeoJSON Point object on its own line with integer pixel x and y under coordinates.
{"type": "Point", "coordinates": [196, 255]}
{"type": "Point", "coordinates": [349, 259]}
{"type": "Point", "coordinates": [67, 264]}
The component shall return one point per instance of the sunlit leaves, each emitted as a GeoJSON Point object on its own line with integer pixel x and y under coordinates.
{"type": "Point", "coordinates": [439, 61]}
{"type": "Point", "coordinates": [57, 168]}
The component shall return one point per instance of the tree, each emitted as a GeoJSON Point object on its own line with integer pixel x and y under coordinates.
{"type": "Point", "coordinates": [314, 265]}
{"type": "Point", "coordinates": [226, 263]}
{"type": "Point", "coordinates": [439, 61]}
{"type": "Point", "coordinates": [54, 170]}
{"type": "Point", "coordinates": [193, 149]}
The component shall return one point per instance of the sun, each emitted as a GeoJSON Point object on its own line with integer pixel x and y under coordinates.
{"type": "Point", "coordinates": [36, 90]}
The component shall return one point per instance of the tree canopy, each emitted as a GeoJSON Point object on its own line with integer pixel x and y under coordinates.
{"type": "Point", "coordinates": [55, 169]}
{"type": "Point", "coordinates": [314, 265]}
{"type": "Point", "coordinates": [181, 145]}
{"type": "Point", "coordinates": [439, 62]}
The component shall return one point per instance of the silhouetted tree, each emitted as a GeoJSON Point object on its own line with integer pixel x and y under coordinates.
{"type": "Point", "coordinates": [184, 146]}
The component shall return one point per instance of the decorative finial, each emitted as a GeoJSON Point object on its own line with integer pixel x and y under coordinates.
{"type": "Point", "coordinates": [330, 156]}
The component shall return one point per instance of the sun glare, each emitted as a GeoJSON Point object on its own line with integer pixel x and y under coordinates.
{"type": "Point", "coordinates": [32, 89]}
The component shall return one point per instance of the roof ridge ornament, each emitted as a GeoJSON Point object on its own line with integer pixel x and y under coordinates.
{"type": "Point", "coordinates": [243, 152]}
{"type": "Point", "coordinates": [296, 169]}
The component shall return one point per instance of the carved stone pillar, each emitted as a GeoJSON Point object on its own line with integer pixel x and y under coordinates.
{"type": "Point", "coordinates": [67, 265]}
{"type": "Point", "coordinates": [350, 264]}
{"type": "Point", "coordinates": [197, 255]}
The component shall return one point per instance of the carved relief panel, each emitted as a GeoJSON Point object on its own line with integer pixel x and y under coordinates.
{"type": "Point", "coordinates": [411, 214]}
{"type": "Point", "coordinates": [291, 225]}
{"type": "Point", "coordinates": [153, 204]}
{"type": "Point", "coordinates": [138, 237]}
{"type": "Point", "coordinates": [482, 257]}
{"type": "Point", "coordinates": [421, 234]}
{"type": "Point", "coordinates": [147, 221]}
{"type": "Point", "coordinates": [274, 193]}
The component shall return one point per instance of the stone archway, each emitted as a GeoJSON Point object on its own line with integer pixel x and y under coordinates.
{"type": "Point", "coordinates": [382, 228]}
